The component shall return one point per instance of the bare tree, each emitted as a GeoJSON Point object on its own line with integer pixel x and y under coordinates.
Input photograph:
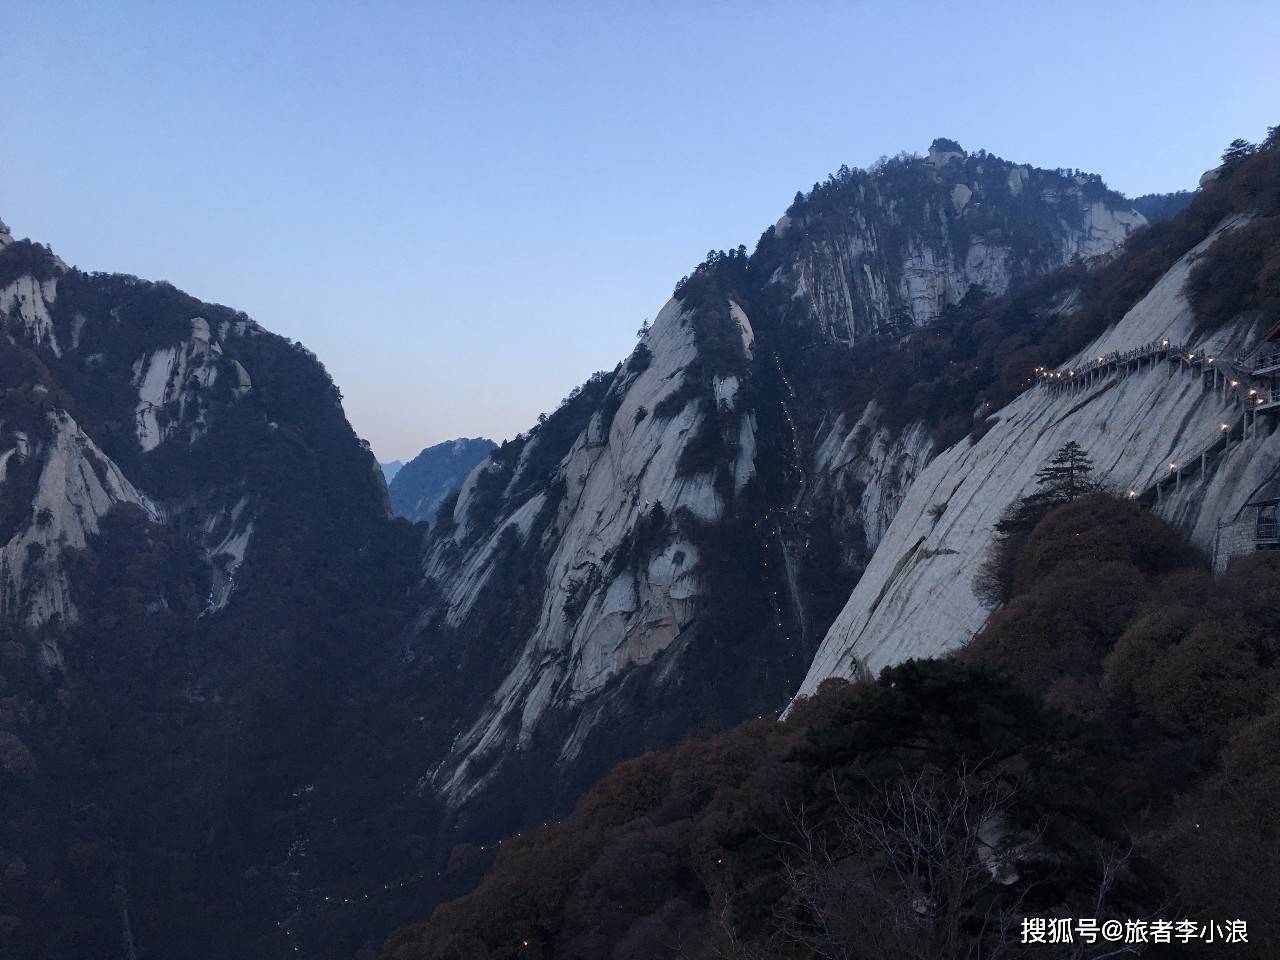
{"type": "Point", "coordinates": [905, 874]}
{"type": "Point", "coordinates": [924, 866]}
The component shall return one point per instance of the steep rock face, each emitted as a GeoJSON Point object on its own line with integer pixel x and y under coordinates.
{"type": "Point", "coordinates": [26, 302]}
{"type": "Point", "coordinates": [707, 493]}
{"type": "Point", "coordinates": [76, 484]}
{"type": "Point", "coordinates": [877, 464]}
{"type": "Point", "coordinates": [174, 382]}
{"type": "Point", "coordinates": [1141, 427]}
{"type": "Point", "coordinates": [418, 487]}
{"type": "Point", "coordinates": [618, 472]}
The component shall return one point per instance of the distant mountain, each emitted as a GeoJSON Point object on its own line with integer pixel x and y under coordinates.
{"type": "Point", "coordinates": [389, 470]}
{"type": "Point", "coordinates": [421, 485]}
{"type": "Point", "coordinates": [1162, 206]}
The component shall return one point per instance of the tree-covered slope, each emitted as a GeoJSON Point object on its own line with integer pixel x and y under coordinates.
{"type": "Point", "coordinates": [1162, 206]}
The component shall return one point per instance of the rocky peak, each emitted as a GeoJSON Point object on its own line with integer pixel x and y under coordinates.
{"type": "Point", "coordinates": [890, 248]}
{"type": "Point", "coordinates": [942, 151]}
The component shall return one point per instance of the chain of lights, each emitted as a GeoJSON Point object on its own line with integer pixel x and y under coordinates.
{"type": "Point", "coordinates": [315, 900]}
{"type": "Point", "coordinates": [1242, 373]}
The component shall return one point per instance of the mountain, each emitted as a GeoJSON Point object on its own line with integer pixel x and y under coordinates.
{"type": "Point", "coordinates": [1143, 622]}
{"type": "Point", "coordinates": [425, 481]}
{"type": "Point", "coordinates": [198, 574]}
{"type": "Point", "coordinates": [389, 470]}
{"type": "Point", "coordinates": [666, 550]}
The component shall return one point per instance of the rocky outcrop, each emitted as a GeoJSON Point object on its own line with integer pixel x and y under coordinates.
{"type": "Point", "coordinates": [26, 302]}
{"type": "Point", "coordinates": [76, 485]}
{"type": "Point", "coordinates": [876, 464]}
{"type": "Point", "coordinates": [175, 382]}
{"type": "Point", "coordinates": [225, 538]}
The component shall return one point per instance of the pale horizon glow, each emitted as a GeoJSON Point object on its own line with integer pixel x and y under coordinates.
{"type": "Point", "coordinates": [466, 209]}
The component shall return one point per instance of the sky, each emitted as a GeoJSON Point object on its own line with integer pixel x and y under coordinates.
{"type": "Point", "coordinates": [467, 208]}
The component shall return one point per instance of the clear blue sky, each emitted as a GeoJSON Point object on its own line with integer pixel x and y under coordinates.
{"type": "Point", "coordinates": [466, 208]}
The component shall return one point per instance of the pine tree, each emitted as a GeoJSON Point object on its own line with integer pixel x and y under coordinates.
{"type": "Point", "coordinates": [1237, 151]}
{"type": "Point", "coordinates": [1067, 476]}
